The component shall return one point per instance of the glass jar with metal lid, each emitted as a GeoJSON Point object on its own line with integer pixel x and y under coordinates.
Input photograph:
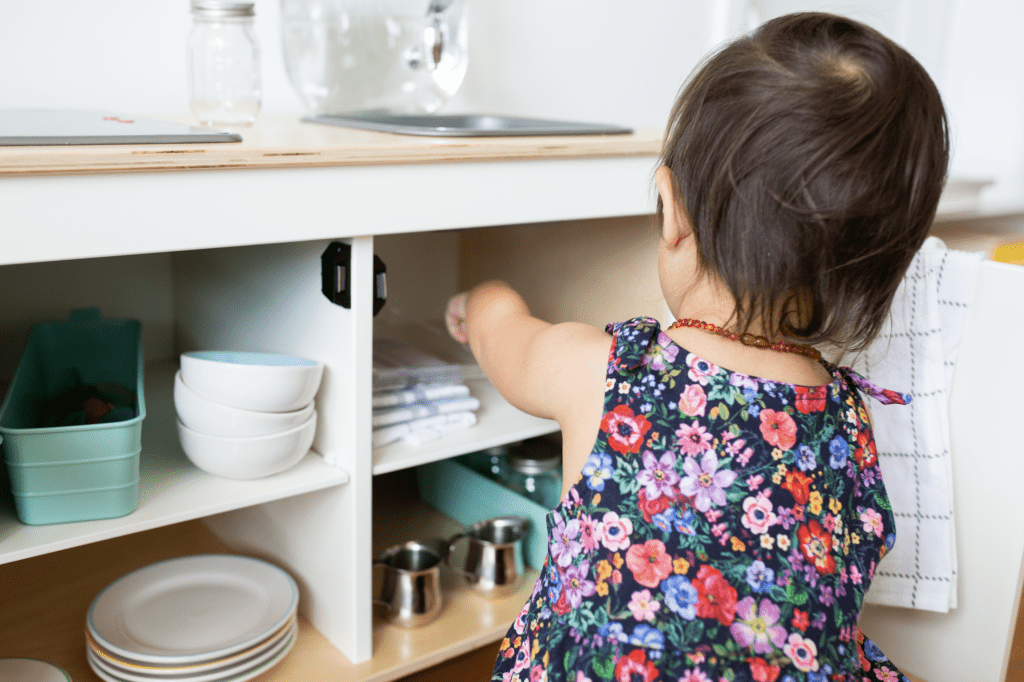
{"type": "Point", "coordinates": [223, 64]}
{"type": "Point", "coordinates": [535, 471]}
{"type": "Point", "coordinates": [492, 462]}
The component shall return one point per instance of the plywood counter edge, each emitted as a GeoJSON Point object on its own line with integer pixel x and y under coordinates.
{"type": "Point", "coordinates": [279, 143]}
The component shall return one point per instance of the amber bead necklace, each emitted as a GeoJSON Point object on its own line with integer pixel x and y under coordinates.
{"type": "Point", "coordinates": [749, 339]}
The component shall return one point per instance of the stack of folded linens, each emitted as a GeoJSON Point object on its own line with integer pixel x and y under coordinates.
{"type": "Point", "coordinates": [416, 396]}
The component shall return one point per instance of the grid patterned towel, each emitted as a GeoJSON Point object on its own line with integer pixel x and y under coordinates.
{"type": "Point", "coordinates": [916, 353]}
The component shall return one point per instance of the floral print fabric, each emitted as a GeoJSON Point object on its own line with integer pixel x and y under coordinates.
{"type": "Point", "coordinates": [725, 527]}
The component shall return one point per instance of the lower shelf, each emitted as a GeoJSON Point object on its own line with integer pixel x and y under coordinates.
{"type": "Point", "coordinates": [46, 599]}
{"type": "Point", "coordinates": [469, 620]}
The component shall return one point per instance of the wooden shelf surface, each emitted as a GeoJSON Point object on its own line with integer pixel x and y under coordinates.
{"type": "Point", "coordinates": [171, 489]}
{"type": "Point", "coordinates": [287, 141]}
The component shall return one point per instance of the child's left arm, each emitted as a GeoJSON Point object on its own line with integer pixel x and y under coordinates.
{"type": "Point", "coordinates": [537, 366]}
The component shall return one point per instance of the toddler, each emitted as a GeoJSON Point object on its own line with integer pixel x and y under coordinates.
{"type": "Point", "coordinates": [724, 512]}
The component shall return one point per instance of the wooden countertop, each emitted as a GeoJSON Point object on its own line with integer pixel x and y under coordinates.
{"type": "Point", "coordinates": [286, 141]}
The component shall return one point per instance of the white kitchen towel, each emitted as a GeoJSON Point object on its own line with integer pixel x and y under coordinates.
{"type": "Point", "coordinates": [405, 413]}
{"type": "Point", "coordinates": [459, 422]}
{"type": "Point", "coordinates": [915, 353]}
{"type": "Point", "coordinates": [399, 365]}
{"type": "Point", "coordinates": [421, 430]}
{"type": "Point", "coordinates": [417, 394]}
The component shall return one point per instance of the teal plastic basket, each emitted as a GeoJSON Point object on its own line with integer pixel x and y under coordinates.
{"type": "Point", "coordinates": [60, 474]}
{"type": "Point", "coordinates": [466, 496]}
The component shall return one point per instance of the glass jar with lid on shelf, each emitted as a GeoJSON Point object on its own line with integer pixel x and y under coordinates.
{"type": "Point", "coordinates": [535, 471]}
{"type": "Point", "coordinates": [531, 468]}
{"type": "Point", "coordinates": [492, 462]}
{"type": "Point", "coordinates": [223, 64]}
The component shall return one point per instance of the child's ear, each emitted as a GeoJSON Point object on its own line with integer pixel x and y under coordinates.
{"type": "Point", "coordinates": [675, 226]}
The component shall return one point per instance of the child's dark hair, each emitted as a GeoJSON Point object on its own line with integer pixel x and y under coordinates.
{"type": "Point", "coordinates": [809, 157]}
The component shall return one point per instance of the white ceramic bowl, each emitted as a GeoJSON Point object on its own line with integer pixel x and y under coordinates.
{"type": "Point", "coordinates": [199, 413]}
{"type": "Point", "coordinates": [247, 457]}
{"type": "Point", "coordinates": [262, 382]}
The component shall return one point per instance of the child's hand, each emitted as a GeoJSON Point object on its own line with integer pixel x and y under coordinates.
{"type": "Point", "coordinates": [455, 317]}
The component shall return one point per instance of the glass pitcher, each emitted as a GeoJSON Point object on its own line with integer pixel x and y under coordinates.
{"type": "Point", "coordinates": [404, 56]}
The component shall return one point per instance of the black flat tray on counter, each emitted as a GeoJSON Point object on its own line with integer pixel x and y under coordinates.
{"type": "Point", "coordinates": [464, 125]}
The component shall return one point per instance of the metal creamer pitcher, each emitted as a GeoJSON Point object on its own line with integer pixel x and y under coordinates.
{"type": "Point", "coordinates": [494, 558]}
{"type": "Point", "coordinates": [411, 589]}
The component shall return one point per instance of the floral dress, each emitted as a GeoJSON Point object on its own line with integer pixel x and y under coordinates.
{"type": "Point", "coordinates": [725, 527]}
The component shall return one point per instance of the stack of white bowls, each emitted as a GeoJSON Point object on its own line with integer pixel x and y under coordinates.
{"type": "Point", "coordinates": [246, 415]}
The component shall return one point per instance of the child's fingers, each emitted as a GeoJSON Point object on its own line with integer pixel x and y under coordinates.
{"type": "Point", "coordinates": [455, 317]}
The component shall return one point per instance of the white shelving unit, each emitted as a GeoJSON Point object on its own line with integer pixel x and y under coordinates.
{"type": "Point", "coordinates": [238, 231]}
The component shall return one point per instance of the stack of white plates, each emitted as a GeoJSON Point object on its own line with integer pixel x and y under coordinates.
{"type": "Point", "coordinates": [203, 618]}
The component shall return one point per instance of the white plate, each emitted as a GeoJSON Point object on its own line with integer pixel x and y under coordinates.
{"type": "Point", "coordinates": [192, 609]}
{"type": "Point", "coordinates": [247, 675]}
{"type": "Point", "coordinates": [31, 670]}
{"type": "Point", "coordinates": [245, 656]}
{"type": "Point", "coordinates": [229, 672]}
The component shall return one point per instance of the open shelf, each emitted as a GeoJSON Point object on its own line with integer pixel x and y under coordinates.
{"type": "Point", "coordinates": [498, 423]}
{"type": "Point", "coordinates": [171, 488]}
{"type": "Point", "coordinates": [45, 617]}
{"type": "Point", "coordinates": [469, 620]}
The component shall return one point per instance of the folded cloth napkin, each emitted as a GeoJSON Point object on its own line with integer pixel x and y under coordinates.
{"type": "Point", "coordinates": [396, 415]}
{"type": "Point", "coordinates": [458, 422]}
{"type": "Point", "coordinates": [916, 353]}
{"type": "Point", "coordinates": [420, 431]}
{"type": "Point", "coordinates": [398, 365]}
{"type": "Point", "coordinates": [419, 393]}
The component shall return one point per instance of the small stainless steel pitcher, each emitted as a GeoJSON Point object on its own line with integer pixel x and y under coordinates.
{"type": "Point", "coordinates": [411, 588]}
{"type": "Point", "coordinates": [494, 559]}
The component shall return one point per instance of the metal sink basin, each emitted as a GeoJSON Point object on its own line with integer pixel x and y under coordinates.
{"type": "Point", "coordinates": [464, 125]}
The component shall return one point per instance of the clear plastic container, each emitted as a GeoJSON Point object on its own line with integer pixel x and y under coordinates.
{"type": "Point", "coordinates": [405, 56]}
{"type": "Point", "coordinates": [223, 64]}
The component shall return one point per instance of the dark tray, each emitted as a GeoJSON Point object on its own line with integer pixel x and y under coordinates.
{"type": "Point", "coordinates": [464, 125]}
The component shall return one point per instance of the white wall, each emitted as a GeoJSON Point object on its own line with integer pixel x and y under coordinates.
{"type": "Point", "coordinates": [602, 60]}
{"type": "Point", "coordinates": [971, 49]}
{"type": "Point", "coordinates": [984, 89]}
{"type": "Point", "coordinates": [614, 61]}
{"type": "Point", "coordinates": [118, 55]}
{"type": "Point", "coordinates": [596, 60]}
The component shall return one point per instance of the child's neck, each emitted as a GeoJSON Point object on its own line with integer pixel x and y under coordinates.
{"type": "Point", "coordinates": [712, 303]}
